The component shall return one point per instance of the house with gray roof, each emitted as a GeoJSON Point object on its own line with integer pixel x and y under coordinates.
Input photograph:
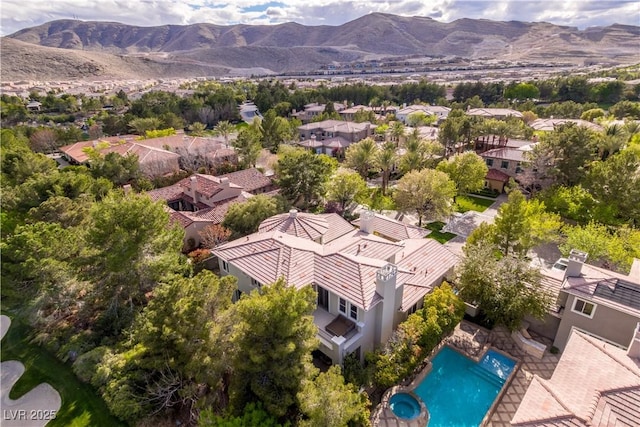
{"type": "Point", "coordinates": [366, 284]}
{"type": "Point", "coordinates": [347, 132]}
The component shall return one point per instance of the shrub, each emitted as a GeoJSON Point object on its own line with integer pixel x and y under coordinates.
{"type": "Point", "coordinates": [418, 336]}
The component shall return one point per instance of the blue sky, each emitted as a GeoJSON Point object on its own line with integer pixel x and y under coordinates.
{"type": "Point", "coordinates": [18, 14]}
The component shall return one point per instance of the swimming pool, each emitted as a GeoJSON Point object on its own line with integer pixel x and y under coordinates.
{"type": "Point", "coordinates": [458, 391]}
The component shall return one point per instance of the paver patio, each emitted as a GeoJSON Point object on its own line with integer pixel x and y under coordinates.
{"type": "Point", "coordinates": [473, 340]}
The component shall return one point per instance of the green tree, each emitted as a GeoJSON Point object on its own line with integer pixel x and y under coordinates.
{"type": "Point", "coordinates": [176, 347]}
{"type": "Point", "coordinates": [274, 130]}
{"type": "Point", "coordinates": [506, 289]}
{"type": "Point", "coordinates": [522, 91]}
{"type": "Point", "coordinates": [141, 125]}
{"type": "Point", "coordinates": [118, 169]}
{"type": "Point", "coordinates": [244, 218]}
{"type": "Point", "coordinates": [327, 401]}
{"type": "Point", "coordinates": [127, 254]}
{"type": "Point", "coordinates": [302, 175]}
{"type": "Point", "coordinates": [361, 156]}
{"type": "Point", "coordinates": [420, 118]}
{"type": "Point", "coordinates": [225, 129]}
{"type": "Point", "coordinates": [572, 149]}
{"type": "Point", "coordinates": [248, 146]}
{"type": "Point", "coordinates": [273, 336]}
{"type": "Point", "coordinates": [419, 153]}
{"type": "Point", "coordinates": [614, 248]}
{"type": "Point", "coordinates": [427, 192]}
{"type": "Point", "coordinates": [345, 186]}
{"type": "Point", "coordinates": [625, 109]}
{"type": "Point", "coordinates": [467, 171]}
{"type": "Point", "coordinates": [615, 183]}
{"type": "Point", "coordinates": [252, 415]}
{"type": "Point", "coordinates": [386, 160]}
{"type": "Point", "coordinates": [523, 224]}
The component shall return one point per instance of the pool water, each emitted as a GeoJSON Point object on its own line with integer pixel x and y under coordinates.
{"type": "Point", "coordinates": [458, 391]}
{"type": "Point", "coordinates": [404, 406]}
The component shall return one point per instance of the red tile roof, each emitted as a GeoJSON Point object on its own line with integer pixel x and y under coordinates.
{"type": "Point", "coordinates": [249, 179]}
{"type": "Point", "coordinates": [496, 175]}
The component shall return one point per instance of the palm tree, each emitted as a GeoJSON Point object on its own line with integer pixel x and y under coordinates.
{"type": "Point", "coordinates": [614, 138]}
{"type": "Point", "coordinates": [361, 156]}
{"type": "Point", "coordinates": [225, 129]}
{"type": "Point", "coordinates": [385, 160]}
{"type": "Point", "coordinates": [397, 130]}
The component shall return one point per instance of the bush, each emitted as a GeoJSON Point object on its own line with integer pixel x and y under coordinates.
{"type": "Point", "coordinates": [85, 366]}
{"type": "Point", "coordinates": [418, 336]}
{"type": "Point", "coordinates": [199, 255]}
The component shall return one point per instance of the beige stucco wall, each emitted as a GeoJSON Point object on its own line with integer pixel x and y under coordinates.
{"type": "Point", "coordinates": [608, 323]}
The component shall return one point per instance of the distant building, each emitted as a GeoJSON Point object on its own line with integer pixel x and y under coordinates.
{"type": "Point", "coordinates": [494, 113]}
{"type": "Point", "coordinates": [202, 200]}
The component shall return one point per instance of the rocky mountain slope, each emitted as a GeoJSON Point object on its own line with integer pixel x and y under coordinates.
{"type": "Point", "coordinates": [80, 49]}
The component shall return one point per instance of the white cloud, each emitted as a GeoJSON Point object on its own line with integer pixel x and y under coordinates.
{"type": "Point", "coordinates": [18, 14]}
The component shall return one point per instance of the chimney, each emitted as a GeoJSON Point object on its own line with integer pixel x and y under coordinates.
{"type": "Point", "coordinates": [386, 286]}
{"type": "Point", "coordinates": [224, 182]}
{"type": "Point", "coordinates": [293, 213]}
{"type": "Point", "coordinates": [574, 266]}
{"type": "Point", "coordinates": [366, 221]}
{"type": "Point", "coordinates": [193, 184]}
{"type": "Point", "coordinates": [634, 345]}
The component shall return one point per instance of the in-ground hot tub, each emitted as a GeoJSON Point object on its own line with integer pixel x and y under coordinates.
{"type": "Point", "coordinates": [404, 406]}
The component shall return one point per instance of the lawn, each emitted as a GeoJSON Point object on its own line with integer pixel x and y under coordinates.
{"type": "Point", "coordinates": [437, 233]}
{"type": "Point", "coordinates": [472, 203]}
{"type": "Point", "coordinates": [81, 406]}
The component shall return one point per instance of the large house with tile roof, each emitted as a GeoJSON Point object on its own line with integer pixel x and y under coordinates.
{"type": "Point", "coordinates": [433, 110]}
{"type": "Point", "coordinates": [347, 132]}
{"type": "Point", "coordinates": [157, 156]}
{"type": "Point", "coordinates": [594, 384]}
{"type": "Point", "coordinates": [366, 283]}
{"type": "Point", "coordinates": [201, 200]}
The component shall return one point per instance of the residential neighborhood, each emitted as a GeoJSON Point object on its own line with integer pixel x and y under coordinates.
{"type": "Point", "coordinates": [292, 251]}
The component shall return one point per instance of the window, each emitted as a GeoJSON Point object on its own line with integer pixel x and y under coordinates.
{"type": "Point", "coordinates": [236, 295]}
{"type": "Point", "coordinates": [413, 309]}
{"type": "Point", "coordinates": [323, 297]}
{"type": "Point", "coordinates": [353, 312]}
{"type": "Point", "coordinates": [343, 306]}
{"type": "Point", "coordinates": [255, 283]}
{"type": "Point", "coordinates": [489, 162]}
{"type": "Point", "coordinates": [518, 167]}
{"type": "Point", "coordinates": [225, 266]}
{"type": "Point", "coordinates": [584, 307]}
{"type": "Point", "coordinates": [504, 164]}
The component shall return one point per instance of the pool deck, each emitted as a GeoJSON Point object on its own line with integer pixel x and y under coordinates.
{"type": "Point", "coordinates": [473, 340]}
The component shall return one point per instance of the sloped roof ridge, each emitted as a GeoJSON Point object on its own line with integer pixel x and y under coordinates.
{"type": "Point", "coordinates": [609, 354]}
{"type": "Point", "coordinates": [557, 398]}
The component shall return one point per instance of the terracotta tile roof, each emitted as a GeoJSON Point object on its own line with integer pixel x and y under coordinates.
{"type": "Point", "coordinates": [168, 194]}
{"type": "Point", "coordinates": [497, 175]}
{"type": "Point", "coordinates": [550, 124]}
{"type": "Point", "coordinates": [493, 112]}
{"type": "Point", "coordinates": [249, 179]}
{"type": "Point", "coordinates": [338, 227]}
{"type": "Point", "coordinates": [394, 229]}
{"type": "Point", "coordinates": [289, 246]}
{"type": "Point", "coordinates": [179, 218]}
{"type": "Point", "coordinates": [594, 384]}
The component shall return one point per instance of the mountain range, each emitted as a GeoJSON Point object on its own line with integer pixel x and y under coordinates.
{"type": "Point", "coordinates": [108, 50]}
